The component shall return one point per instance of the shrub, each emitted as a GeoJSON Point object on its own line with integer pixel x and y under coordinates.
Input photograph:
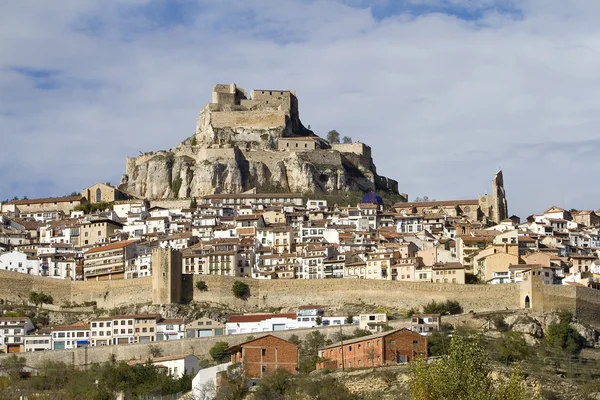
{"type": "Point", "coordinates": [443, 308]}
{"type": "Point", "coordinates": [218, 353]}
{"type": "Point", "coordinates": [155, 350]}
{"type": "Point", "coordinates": [562, 336]}
{"type": "Point", "coordinates": [201, 286]}
{"type": "Point", "coordinates": [319, 321]}
{"type": "Point", "coordinates": [294, 339]}
{"type": "Point", "coordinates": [360, 333]}
{"type": "Point", "coordinates": [240, 290]}
{"type": "Point", "coordinates": [40, 298]}
{"type": "Point", "coordinates": [350, 319]}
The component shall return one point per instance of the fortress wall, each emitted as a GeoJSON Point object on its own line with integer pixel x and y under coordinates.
{"type": "Point", "coordinates": [269, 294]}
{"type": "Point", "coordinates": [559, 297]}
{"type": "Point", "coordinates": [250, 119]}
{"type": "Point", "coordinates": [111, 294]}
{"type": "Point", "coordinates": [587, 304]}
{"type": "Point", "coordinates": [358, 148]}
{"type": "Point", "coordinates": [336, 292]}
{"type": "Point", "coordinates": [86, 356]}
{"type": "Point", "coordinates": [15, 287]}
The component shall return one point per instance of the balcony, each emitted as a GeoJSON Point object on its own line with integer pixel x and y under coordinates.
{"type": "Point", "coordinates": [103, 271]}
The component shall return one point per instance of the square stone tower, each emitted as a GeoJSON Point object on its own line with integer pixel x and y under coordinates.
{"type": "Point", "coordinates": [166, 276]}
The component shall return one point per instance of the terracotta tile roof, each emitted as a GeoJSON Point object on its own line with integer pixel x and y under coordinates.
{"type": "Point", "coordinates": [48, 200]}
{"type": "Point", "coordinates": [77, 326]}
{"type": "Point", "coordinates": [442, 203]}
{"type": "Point", "coordinates": [112, 246]}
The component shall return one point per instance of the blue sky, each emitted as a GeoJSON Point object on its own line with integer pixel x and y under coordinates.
{"type": "Point", "coordinates": [444, 91]}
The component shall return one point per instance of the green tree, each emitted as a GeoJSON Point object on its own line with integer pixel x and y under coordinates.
{"type": "Point", "coordinates": [346, 139]}
{"type": "Point", "coordinates": [275, 386]}
{"type": "Point", "coordinates": [234, 386]}
{"type": "Point", "coordinates": [240, 290]}
{"type": "Point", "coordinates": [464, 373]}
{"type": "Point", "coordinates": [309, 351]}
{"type": "Point", "coordinates": [512, 347]}
{"type": "Point", "coordinates": [438, 343]}
{"type": "Point", "coordinates": [562, 336]}
{"type": "Point", "coordinates": [218, 353]}
{"type": "Point", "coordinates": [350, 319]}
{"type": "Point", "coordinates": [319, 321]}
{"type": "Point", "coordinates": [155, 350]}
{"type": "Point", "coordinates": [201, 286]}
{"type": "Point", "coordinates": [333, 136]}
{"type": "Point", "coordinates": [40, 298]}
{"type": "Point", "coordinates": [12, 366]}
{"type": "Point", "coordinates": [360, 333]}
{"type": "Point", "coordinates": [443, 308]}
{"type": "Point", "coordinates": [294, 339]}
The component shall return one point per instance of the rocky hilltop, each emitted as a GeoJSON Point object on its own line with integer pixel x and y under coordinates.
{"type": "Point", "coordinates": [257, 141]}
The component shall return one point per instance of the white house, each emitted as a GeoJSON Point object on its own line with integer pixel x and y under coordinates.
{"type": "Point", "coordinates": [176, 365]}
{"type": "Point", "coordinates": [38, 340]}
{"type": "Point", "coordinates": [260, 323]}
{"type": "Point", "coordinates": [19, 262]}
{"type": "Point", "coordinates": [71, 336]}
{"type": "Point", "coordinates": [204, 383]}
{"type": "Point", "coordinates": [12, 333]}
{"type": "Point", "coordinates": [170, 329]}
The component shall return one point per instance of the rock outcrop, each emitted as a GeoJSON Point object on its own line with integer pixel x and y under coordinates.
{"type": "Point", "coordinates": [243, 143]}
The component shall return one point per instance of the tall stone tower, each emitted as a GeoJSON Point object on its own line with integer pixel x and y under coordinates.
{"type": "Point", "coordinates": [494, 206]}
{"type": "Point", "coordinates": [166, 276]}
{"type": "Point", "coordinates": [500, 206]}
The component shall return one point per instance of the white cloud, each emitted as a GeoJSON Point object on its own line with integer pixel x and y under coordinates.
{"type": "Point", "coordinates": [443, 101]}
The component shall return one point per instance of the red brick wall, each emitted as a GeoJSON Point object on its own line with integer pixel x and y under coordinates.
{"type": "Point", "coordinates": [374, 352]}
{"type": "Point", "coordinates": [265, 355]}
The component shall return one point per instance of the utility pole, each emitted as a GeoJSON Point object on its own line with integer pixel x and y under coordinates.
{"type": "Point", "coordinates": [342, 342]}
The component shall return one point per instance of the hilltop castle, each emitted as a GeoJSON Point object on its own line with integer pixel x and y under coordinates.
{"type": "Point", "coordinates": [251, 141]}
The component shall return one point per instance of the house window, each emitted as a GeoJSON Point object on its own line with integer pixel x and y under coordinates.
{"type": "Point", "coordinates": [264, 352]}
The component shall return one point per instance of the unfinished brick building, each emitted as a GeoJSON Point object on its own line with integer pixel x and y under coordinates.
{"type": "Point", "coordinates": [387, 348]}
{"type": "Point", "coordinates": [264, 355]}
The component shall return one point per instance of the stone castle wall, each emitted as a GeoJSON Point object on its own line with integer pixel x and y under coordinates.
{"type": "Point", "coordinates": [248, 119]}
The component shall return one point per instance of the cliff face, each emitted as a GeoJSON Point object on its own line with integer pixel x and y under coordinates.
{"type": "Point", "coordinates": [235, 149]}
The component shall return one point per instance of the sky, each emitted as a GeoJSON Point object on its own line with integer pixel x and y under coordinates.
{"type": "Point", "coordinates": [445, 92]}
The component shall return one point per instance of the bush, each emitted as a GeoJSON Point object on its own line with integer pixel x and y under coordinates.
{"type": "Point", "coordinates": [155, 350]}
{"type": "Point", "coordinates": [319, 321]}
{"type": "Point", "coordinates": [443, 308]}
{"type": "Point", "coordinates": [201, 286]}
{"type": "Point", "coordinates": [240, 290]}
{"type": "Point", "coordinates": [562, 336]}
{"type": "Point", "coordinates": [360, 333]}
{"type": "Point", "coordinates": [350, 319]}
{"type": "Point", "coordinates": [218, 353]}
{"type": "Point", "coordinates": [40, 298]}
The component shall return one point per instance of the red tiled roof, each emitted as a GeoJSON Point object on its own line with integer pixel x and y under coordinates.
{"type": "Point", "coordinates": [112, 246]}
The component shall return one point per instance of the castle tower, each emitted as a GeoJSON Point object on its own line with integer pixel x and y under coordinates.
{"type": "Point", "coordinates": [166, 276]}
{"type": "Point", "coordinates": [500, 206]}
{"type": "Point", "coordinates": [494, 206]}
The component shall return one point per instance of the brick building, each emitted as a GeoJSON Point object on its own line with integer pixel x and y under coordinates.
{"type": "Point", "coordinates": [387, 348]}
{"type": "Point", "coordinates": [264, 355]}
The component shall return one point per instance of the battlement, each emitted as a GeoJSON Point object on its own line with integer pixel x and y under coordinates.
{"type": "Point", "coordinates": [229, 97]}
{"type": "Point", "coordinates": [358, 148]}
